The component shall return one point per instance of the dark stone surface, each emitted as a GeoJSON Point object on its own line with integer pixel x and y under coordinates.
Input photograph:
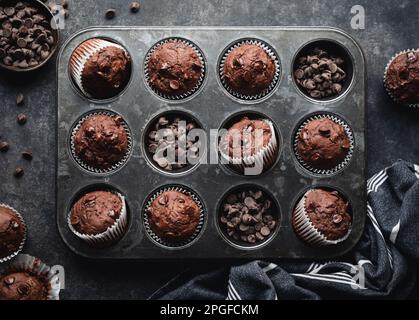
{"type": "Point", "coordinates": [392, 131]}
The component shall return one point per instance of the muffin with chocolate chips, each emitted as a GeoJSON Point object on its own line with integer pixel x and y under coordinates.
{"type": "Point", "coordinates": [322, 143]}
{"type": "Point", "coordinates": [322, 217]}
{"type": "Point", "coordinates": [23, 286]}
{"type": "Point", "coordinates": [12, 233]}
{"type": "Point", "coordinates": [402, 78]}
{"type": "Point", "coordinates": [100, 68]}
{"type": "Point", "coordinates": [175, 68]}
{"type": "Point", "coordinates": [99, 215]}
{"type": "Point", "coordinates": [174, 216]}
{"type": "Point", "coordinates": [249, 69]}
{"type": "Point", "coordinates": [101, 141]}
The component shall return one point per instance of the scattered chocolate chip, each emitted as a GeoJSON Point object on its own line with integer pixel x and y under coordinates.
{"type": "Point", "coordinates": [27, 155]}
{"type": "Point", "coordinates": [135, 6]}
{"type": "Point", "coordinates": [22, 119]}
{"type": "Point", "coordinates": [4, 146]}
{"type": "Point", "coordinates": [20, 99]}
{"type": "Point", "coordinates": [110, 14]}
{"type": "Point", "coordinates": [18, 172]}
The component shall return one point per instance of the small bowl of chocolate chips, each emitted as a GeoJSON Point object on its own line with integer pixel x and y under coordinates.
{"type": "Point", "coordinates": [28, 35]}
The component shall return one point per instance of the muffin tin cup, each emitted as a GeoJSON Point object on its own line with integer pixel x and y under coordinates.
{"type": "Point", "coordinates": [265, 158]}
{"type": "Point", "coordinates": [84, 165]}
{"type": "Point", "coordinates": [307, 231]}
{"type": "Point", "coordinates": [112, 235]}
{"type": "Point", "coordinates": [340, 166]}
{"type": "Point", "coordinates": [14, 254]}
{"type": "Point", "coordinates": [270, 51]}
{"type": "Point", "coordinates": [188, 93]}
{"type": "Point", "coordinates": [173, 244]}
{"type": "Point", "coordinates": [388, 90]}
{"type": "Point", "coordinates": [82, 54]}
{"type": "Point", "coordinates": [34, 266]}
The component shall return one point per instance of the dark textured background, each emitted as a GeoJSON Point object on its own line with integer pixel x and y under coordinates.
{"type": "Point", "coordinates": [393, 132]}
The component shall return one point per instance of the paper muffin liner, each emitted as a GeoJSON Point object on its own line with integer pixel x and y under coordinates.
{"type": "Point", "coordinates": [35, 267]}
{"type": "Point", "coordinates": [84, 165]}
{"type": "Point", "coordinates": [199, 82]}
{"type": "Point", "coordinates": [166, 243]}
{"type": "Point", "coordinates": [270, 51]}
{"type": "Point", "coordinates": [264, 158]}
{"type": "Point", "coordinates": [306, 230]}
{"type": "Point", "coordinates": [110, 236]}
{"type": "Point", "coordinates": [83, 53]}
{"type": "Point", "coordinates": [343, 163]}
{"type": "Point", "coordinates": [14, 254]}
{"type": "Point", "coordinates": [388, 90]}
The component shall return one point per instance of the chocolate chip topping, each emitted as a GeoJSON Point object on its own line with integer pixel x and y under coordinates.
{"type": "Point", "coordinates": [106, 73]}
{"type": "Point", "coordinates": [12, 232]}
{"type": "Point", "coordinates": [174, 68]}
{"type": "Point", "coordinates": [323, 144]}
{"type": "Point", "coordinates": [248, 69]}
{"type": "Point", "coordinates": [174, 216]}
{"type": "Point", "coordinates": [23, 286]}
{"type": "Point", "coordinates": [95, 212]}
{"type": "Point", "coordinates": [101, 141]}
{"type": "Point", "coordinates": [328, 212]}
{"type": "Point", "coordinates": [402, 78]}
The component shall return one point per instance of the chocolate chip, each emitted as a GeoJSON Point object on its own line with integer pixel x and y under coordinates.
{"type": "Point", "coordinates": [9, 281]}
{"type": "Point", "coordinates": [22, 119]}
{"type": "Point", "coordinates": [337, 218]}
{"type": "Point", "coordinates": [20, 99]}
{"type": "Point", "coordinates": [18, 172]}
{"type": "Point", "coordinates": [174, 84]}
{"type": "Point", "coordinates": [112, 214]}
{"type": "Point", "coordinates": [4, 146]}
{"type": "Point", "coordinates": [110, 13]}
{"type": "Point", "coordinates": [10, 11]}
{"type": "Point", "coordinates": [265, 231]}
{"type": "Point", "coordinates": [27, 155]}
{"type": "Point", "coordinates": [15, 225]}
{"type": "Point", "coordinates": [163, 200]}
{"type": "Point", "coordinates": [251, 238]}
{"type": "Point", "coordinates": [135, 6]}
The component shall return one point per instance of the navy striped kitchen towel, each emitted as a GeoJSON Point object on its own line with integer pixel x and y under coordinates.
{"type": "Point", "coordinates": [380, 266]}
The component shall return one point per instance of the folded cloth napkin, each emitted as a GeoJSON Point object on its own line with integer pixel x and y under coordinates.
{"type": "Point", "coordinates": [380, 266]}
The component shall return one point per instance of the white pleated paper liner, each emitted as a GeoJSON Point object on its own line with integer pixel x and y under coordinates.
{"type": "Point", "coordinates": [270, 51]}
{"type": "Point", "coordinates": [264, 158]}
{"type": "Point", "coordinates": [199, 83]}
{"type": "Point", "coordinates": [307, 231]}
{"type": "Point", "coordinates": [83, 53]}
{"type": "Point", "coordinates": [35, 267]}
{"type": "Point", "coordinates": [388, 90]}
{"type": "Point", "coordinates": [166, 243]}
{"type": "Point", "coordinates": [14, 254]}
{"type": "Point", "coordinates": [112, 235]}
{"type": "Point", "coordinates": [88, 167]}
{"type": "Point", "coordinates": [343, 163]}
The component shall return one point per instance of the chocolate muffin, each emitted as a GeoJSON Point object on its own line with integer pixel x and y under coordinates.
{"type": "Point", "coordinates": [323, 144]}
{"type": "Point", "coordinates": [174, 216]}
{"type": "Point", "coordinates": [102, 69]}
{"type": "Point", "coordinates": [241, 138]}
{"type": "Point", "coordinates": [249, 70]}
{"type": "Point", "coordinates": [23, 286]}
{"type": "Point", "coordinates": [402, 78]}
{"type": "Point", "coordinates": [96, 212]}
{"type": "Point", "coordinates": [12, 232]}
{"type": "Point", "coordinates": [326, 211]}
{"type": "Point", "coordinates": [101, 141]}
{"type": "Point", "coordinates": [174, 68]}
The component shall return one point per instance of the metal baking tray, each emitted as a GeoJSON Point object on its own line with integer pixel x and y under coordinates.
{"type": "Point", "coordinates": [286, 107]}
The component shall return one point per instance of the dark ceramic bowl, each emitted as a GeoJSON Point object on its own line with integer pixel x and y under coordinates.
{"type": "Point", "coordinates": [55, 33]}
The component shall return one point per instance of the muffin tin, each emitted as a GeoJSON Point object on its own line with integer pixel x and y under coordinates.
{"type": "Point", "coordinates": [212, 105]}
